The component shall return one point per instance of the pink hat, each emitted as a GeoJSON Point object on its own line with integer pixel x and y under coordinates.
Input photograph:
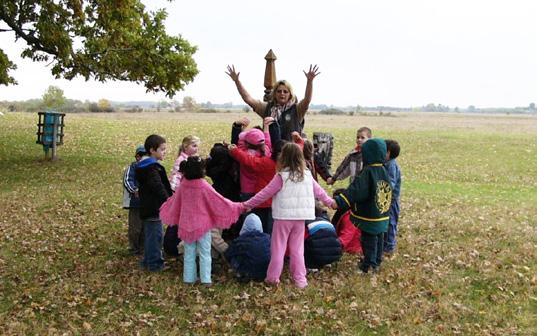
{"type": "Point", "coordinates": [254, 137]}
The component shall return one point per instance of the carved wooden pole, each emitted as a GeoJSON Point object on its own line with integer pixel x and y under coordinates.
{"type": "Point", "coordinates": [270, 74]}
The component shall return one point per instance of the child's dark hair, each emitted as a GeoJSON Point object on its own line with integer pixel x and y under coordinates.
{"type": "Point", "coordinates": [308, 150]}
{"type": "Point", "coordinates": [367, 130]}
{"type": "Point", "coordinates": [193, 168]}
{"type": "Point", "coordinates": [393, 147]}
{"type": "Point", "coordinates": [153, 142]}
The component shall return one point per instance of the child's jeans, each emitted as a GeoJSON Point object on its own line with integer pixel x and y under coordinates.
{"type": "Point", "coordinates": [287, 233]}
{"type": "Point", "coordinates": [372, 246]}
{"type": "Point", "coordinates": [203, 247]}
{"type": "Point", "coordinates": [153, 260]}
{"type": "Point", "coordinates": [390, 238]}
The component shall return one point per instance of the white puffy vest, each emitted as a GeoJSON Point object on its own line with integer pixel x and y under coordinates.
{"type": "Point", "coordinates": [295, 200]}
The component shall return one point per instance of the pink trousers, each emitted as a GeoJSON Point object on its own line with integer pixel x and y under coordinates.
{"type": "Point", "coordinates": [287, 234]}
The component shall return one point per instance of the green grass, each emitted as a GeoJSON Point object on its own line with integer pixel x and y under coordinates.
{"type": "Point", "coordinates": [466, 262]}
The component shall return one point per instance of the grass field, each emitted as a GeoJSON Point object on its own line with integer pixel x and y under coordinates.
{"type": "Point", "coordinates": [466, 263]}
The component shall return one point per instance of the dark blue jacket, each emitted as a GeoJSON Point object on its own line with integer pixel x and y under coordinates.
{"type": "Point", "coordinates": [153, 187]}
{"type": "Point", "coordinates": [394, 174]}
{"type": "Point", "coordinates": [322, 248]}
{"type": "Point", "coordinates": [249, 255]}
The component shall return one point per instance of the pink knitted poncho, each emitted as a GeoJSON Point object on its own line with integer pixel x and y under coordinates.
{"type": "Point", "coordinates": [196, 208]}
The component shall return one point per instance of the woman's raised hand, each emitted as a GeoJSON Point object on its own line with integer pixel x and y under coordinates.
{"type": "Point", "coordinates": [232, 73]}
{"type": "Point", "coordinates": [311, 74]}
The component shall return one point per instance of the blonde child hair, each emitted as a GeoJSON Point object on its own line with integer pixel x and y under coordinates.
{"type": "Point", "coordinates": [188, 140]}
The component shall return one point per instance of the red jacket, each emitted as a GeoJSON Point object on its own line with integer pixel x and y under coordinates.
{"type": "Point", "coordinates": [262, 167]}
{"type": "Point", "coordinates": [349, 235]}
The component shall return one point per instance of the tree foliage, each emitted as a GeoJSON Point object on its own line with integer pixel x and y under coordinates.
{"type": "Point", "coordinates": [189, 103]}
{"type": "Point", "coordinates": [53, 97]}
{"type": "Point", "coordinates": [104, 40]}
{"type": "Point", "coordinates": [105, 105]}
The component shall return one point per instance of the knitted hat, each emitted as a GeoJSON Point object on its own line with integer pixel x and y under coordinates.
{"type": "Point", "coordinates": [254, 137]}
{"type": "Point", "coordinates": [251, 223]}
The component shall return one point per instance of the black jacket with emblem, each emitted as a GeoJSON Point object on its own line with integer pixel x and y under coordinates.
{"type": "Point", "coordinates": [369, 195]}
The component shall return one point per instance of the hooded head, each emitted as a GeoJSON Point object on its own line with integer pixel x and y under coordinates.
{"type": "Point", "coordinates": [374, 151]}
{"type": "Point", "coordinates": [252, 223]}
{"type": "Point", "coordinates": [254, 137]}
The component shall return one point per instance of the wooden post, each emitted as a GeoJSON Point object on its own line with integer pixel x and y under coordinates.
{"type": "Point", "coordinates": [54, 137]}
{"type": "Point", "coordinates": [270, 75]}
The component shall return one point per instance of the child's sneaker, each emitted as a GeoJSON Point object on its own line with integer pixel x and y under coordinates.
{"type": "Point", "coordinates": [363, 270]}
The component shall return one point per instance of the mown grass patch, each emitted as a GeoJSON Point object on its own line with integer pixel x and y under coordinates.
{"type": "Point", "coordinates": [466, 262]}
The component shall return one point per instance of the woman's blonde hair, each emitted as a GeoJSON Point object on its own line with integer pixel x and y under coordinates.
{"type": "Point", "coordinates": [289, 88]}
{"type": "Point", "coordinates": [188, 140]}
{"type": "Point", "coordinates": [291, 158]}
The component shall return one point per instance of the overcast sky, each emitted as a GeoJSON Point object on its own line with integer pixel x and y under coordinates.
{"type": "Point", "coordinates": [383, 52]}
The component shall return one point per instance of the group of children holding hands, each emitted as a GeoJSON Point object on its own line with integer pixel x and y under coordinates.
{"type": "Point", "coordinates": [278, 190]}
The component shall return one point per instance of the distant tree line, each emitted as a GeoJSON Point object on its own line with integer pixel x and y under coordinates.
{"type": "Point", "coordinates": [388, 110]}
{"type": "Point", "coordinates": [54, 99]}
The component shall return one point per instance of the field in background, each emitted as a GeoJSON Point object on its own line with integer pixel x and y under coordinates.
{"type": "Point", "coordinates": [466, 262]}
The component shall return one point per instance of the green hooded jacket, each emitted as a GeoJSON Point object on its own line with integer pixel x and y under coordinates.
{"type": "Point", "coordinates": [369, 196]}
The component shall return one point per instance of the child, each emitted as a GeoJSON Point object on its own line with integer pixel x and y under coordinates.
{"type": "Point", "coordinates": [352, 164]}
{"type": "Point", "coordinates": [369, 197]}
{"type": "Point", "coordinates": [224, 172]}
{"type": "Point", "coordinates": [249, 254]}
{"type": "Point", "coordinates": [321, 245]}
{"type": "Point", "coordinates": [131, 201]}
{"type": "Point", "coordinates": [394, 173]}
{"type": "Point", "coordinates": [294, 193]}
{"type": "Point", "coordinates": [262, 168]}
{"type": "Point", "coordinates": [309, 155]}
{"type": "Point", "coordinates": [189, 146]}
{"type": "Point", "coordinates": [253, 143]}
{"type": "Point", "coordinates": [154, 188]}
{"type": "Point", "coordinates": [196, 208]}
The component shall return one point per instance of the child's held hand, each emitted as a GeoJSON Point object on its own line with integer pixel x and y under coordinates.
{"type": "Point", "coordinates": [231, 147]}
{"type": "Point", "coordinates": [244, 208]}
{"type": "Point", "coordinates": [334, 205]}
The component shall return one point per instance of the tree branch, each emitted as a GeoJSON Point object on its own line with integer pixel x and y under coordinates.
{"type": "Point", "coordinates": [29, 38]}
